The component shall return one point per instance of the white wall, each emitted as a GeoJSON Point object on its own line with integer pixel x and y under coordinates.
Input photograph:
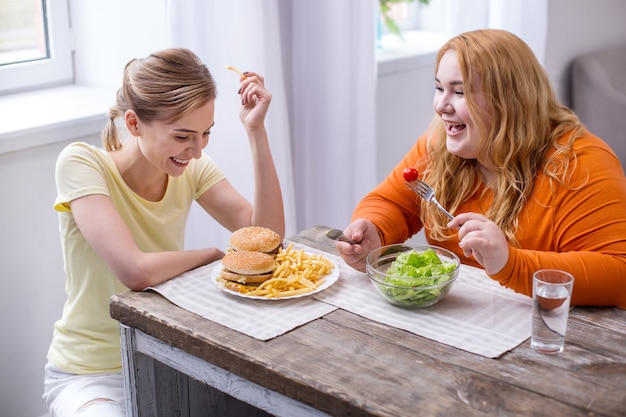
{"type": "Point", "coordinates": [32, 275]}
{"type": "Point", "coordinates": [576, 27]}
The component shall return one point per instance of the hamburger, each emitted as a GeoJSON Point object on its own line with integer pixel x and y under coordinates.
{"type": "Point", "coordinates": [255, 239]}
{"type": "Point", "coordinates": [243, 269]}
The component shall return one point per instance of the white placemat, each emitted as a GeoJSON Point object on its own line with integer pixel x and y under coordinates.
{"type": "Point", "coordinates": [478, 315]}
{"type": "Point", "coordinates": [194, 291]}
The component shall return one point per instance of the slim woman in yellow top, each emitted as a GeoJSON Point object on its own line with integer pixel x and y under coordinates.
{"type": "Point", "coordinates": [529, 186]}
{"type": "Point", "coordinates": [123, 211]}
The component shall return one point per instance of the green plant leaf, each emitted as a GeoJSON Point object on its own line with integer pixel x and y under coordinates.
{"type": "Point", "coordinates": [391, 25]}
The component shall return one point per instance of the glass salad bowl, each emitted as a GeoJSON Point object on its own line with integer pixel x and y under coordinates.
{"type": "Point", "coordinates": [412, 276]}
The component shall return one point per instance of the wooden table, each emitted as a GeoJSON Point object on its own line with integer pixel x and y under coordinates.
{"type": "Point", "coordinates": [178, 363]}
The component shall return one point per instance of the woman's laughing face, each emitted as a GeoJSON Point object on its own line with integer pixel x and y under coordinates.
{"type": "Point", "coordinates": [462, 133]}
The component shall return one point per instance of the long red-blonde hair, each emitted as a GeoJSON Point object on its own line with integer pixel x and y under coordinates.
{"type": "Point", "coordinates": [522, 122]}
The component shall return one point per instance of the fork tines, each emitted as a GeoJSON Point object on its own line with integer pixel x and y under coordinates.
{"type": "Point", "coordinates": [418, 186]}
{"type": "Point", "coordinates": [426, 192]}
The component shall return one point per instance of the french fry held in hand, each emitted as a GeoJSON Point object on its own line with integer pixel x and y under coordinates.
{"type": "Point", "coordinates": [237, 71]}
{"type": "Point", "coordinates": [296, 273]}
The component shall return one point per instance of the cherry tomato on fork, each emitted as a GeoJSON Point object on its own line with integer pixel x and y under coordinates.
{"type": "Point", "coordinates": [410, 174]}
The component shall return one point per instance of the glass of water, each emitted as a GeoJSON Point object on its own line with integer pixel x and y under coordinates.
{"type": "Point", "coordinates": [552, 292]}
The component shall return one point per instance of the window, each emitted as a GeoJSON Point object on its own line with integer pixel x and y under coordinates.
{"type": "Point", "coordinates": [402, 15]}
{"type": "Point", "coordinates": [415, 15]}
{"type": "Point", "coordinates": [35, 44]}
{"type": "Point", "coordinates": [422, 30]}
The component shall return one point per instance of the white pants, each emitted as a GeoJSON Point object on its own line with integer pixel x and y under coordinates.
{"type": "Point", "coordinates": [94, 395]}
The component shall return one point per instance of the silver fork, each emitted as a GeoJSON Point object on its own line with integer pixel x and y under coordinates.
{"type": "Point", "coordinates": [427, 193]}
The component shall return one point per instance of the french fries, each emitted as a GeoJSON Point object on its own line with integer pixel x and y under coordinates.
{"type": "Point", "coordinates": [297, 272]}
{"type": "Point", "coordinates": [237, 71]}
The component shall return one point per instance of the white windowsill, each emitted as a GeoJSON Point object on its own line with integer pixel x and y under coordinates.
{"type": "Point", "coordinates": [52, 115]}
{"type": "Point", "coordinates": [414, 49]}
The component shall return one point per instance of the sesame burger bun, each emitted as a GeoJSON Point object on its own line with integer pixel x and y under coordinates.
{"type": "Point", "coordinates": [256, 239]}
{"type": "Point", "coordinates": [247, 267]}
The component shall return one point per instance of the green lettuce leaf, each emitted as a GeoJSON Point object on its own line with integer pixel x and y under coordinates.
{"type": "Point", "coordinates": [411, 269]}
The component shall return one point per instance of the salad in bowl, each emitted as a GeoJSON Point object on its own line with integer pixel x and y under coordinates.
{"type": "Point", "coordinates": [412, 276]}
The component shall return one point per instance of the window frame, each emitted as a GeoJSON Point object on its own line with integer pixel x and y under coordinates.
{"type": "Point", "coordinates": [53, 71]}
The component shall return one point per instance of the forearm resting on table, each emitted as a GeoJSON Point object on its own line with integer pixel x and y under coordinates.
{"type": "Point", "coordinates": [153, 268]}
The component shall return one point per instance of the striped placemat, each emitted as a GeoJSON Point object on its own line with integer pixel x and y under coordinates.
{"type": "Point", "coordinates": [478, 315]}
{"type": "Point", "coordinates": [195, 291]}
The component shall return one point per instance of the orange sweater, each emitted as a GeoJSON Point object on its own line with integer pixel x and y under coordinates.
{"type": "Point", "coordinates": [583, 232]}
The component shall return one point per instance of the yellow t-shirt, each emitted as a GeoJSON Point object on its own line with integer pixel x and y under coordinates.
{"type": "Point", "coordinates": [86, 339]}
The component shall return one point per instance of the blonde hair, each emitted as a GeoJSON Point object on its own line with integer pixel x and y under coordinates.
{"type": "Point", "coordinates": [161, 87]}
{"type": "Point", "coordinates": [522, 122]}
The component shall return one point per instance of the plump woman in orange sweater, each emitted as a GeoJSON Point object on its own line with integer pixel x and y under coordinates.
{"type": "Point", "coordinates": [530, 188]}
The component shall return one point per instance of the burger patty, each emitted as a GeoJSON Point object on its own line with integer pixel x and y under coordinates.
{"type": "Point", "coordinates": [247, 267]}
{"type": "Point", "coordinates": [241, 288]}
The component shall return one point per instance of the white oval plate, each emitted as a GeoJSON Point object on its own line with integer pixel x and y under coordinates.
{"type": "Point", "coordinates": [331, 278]}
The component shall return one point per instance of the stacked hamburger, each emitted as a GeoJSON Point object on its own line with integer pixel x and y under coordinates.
{"type": "Point", "coordinates": [250, 259]}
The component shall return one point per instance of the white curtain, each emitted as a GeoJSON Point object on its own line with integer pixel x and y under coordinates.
{"type": "Point", "coordinates": [528, 19]}
{"type": "Point", "coordinates": [317, 58]}
{"type": "Point", "coordinates": [333, 78]}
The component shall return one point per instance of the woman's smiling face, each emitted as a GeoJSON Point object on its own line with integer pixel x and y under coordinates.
{"type": "Point", "coordinates": [170, 146]}
{"type": "Point", "coordinates": [462, 133]}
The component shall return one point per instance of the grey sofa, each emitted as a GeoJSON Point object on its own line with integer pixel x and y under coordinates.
{"type": "Point", "coordinates": [598, 88]}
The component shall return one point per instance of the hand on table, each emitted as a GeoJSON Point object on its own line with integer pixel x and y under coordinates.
{"type": "Point", "coordinates": [366, 234]}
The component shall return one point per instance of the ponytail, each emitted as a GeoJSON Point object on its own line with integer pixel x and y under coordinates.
{"type": "Point", "coordinates": [110, 134]}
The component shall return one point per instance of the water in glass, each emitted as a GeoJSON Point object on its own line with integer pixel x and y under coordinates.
{"type": "Point", "coordinates": [550, 318]}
